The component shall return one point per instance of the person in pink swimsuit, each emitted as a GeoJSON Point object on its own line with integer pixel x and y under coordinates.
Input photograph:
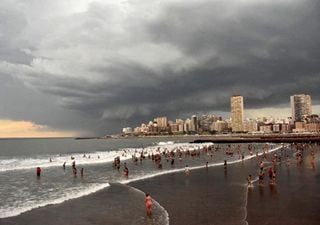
{"type": "Point", "coordinates": [148, 202]}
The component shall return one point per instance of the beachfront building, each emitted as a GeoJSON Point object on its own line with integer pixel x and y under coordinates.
{"type": "Point", "coordinates": [162, 122]}
{"type": "Point", "coordinates": [137, 130]}
{"type": "Point", "coordinates": [152, 128]}
{"type": "Point", "coordinates": [127, 130]}
{"type": "Point", "coordinates": [299, 127]}
{"type": "Point", "coordinates": [237, 113]}
{"type": "Point", "coordinates": [286, 128]}
{"type": "Point", "coordinates": [300, 106]}
{"type": "Point", "coordinates": [276, 128]}
{"type": "Point", "coordinates": [219, 126]}
{"type": "Point", "coordinates": [180, 124]}
{"type": "Point", "coordinates": [250, 126]}
{"type": "Point", "coordinates": [186, 125]}
{"type": "Point", "coordinates": [205, 122]}
{"type": "Point", "coordinates": [193, 124]}
{"type": "Point", "coordinates": [312, 127]}
{"type": "Point", "coordinates": [266, 128]}
{"type": "Point", "coordinates": [143, 128]}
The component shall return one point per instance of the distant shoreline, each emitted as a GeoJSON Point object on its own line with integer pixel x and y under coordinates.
{"type": "Point", "coordinates": [218, 138]}
{"type": "Point", "coordinates": [260, 138]}
{"type": "Point", "coordinates": [237, 138]}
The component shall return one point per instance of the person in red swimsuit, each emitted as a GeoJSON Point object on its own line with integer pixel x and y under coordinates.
{"type": "Point", "coordinates": [148, 202]}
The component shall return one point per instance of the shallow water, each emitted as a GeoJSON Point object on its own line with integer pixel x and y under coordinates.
{"type": "Point", "coordinates": [295, 197]}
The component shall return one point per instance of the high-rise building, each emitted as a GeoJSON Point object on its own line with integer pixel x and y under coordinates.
{"type": "Point", "coordinates": [236, 113]}
{"type": "Point", "coordinates": [300, 106]}
{"type": "Point", "coordinates": [194, 124]}
{"type": "Point", "coordinates": [186, 125]}
{"type": "Point", "coordinates": [162, 122]}
{"type": "Point", "coordinates": [180, 124]}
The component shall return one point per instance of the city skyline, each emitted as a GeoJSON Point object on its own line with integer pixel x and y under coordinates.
{"type": "Point", "coordinates": [301, 120]}
{"type": "Point", "coordinates": [91, 67]}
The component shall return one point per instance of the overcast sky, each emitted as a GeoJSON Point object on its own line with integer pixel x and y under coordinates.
{"type": "Point", "coordinates": [91, 67]}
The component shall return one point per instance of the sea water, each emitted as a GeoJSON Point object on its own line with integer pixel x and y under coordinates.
{"type": "Point", "coordinates": [21, 190]}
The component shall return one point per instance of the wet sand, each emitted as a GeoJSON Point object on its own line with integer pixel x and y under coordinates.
{"type": "Point", "coordinates": [215, 197]}
{"type": "Point", "coordinates": [206, 196]}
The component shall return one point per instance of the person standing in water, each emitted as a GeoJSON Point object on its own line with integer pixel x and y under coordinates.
{"type": "Point", "coordinates": [38, 171]}
{"type": "Point", "coordinates": [81, 172]}
{"type": "Point", "coordinates": [126, 170]}
{"type": "Point", "coordinates": [148, 202]}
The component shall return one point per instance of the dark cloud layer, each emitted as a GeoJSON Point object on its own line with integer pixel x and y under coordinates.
{"type": "Point", "coordinates": [109, 65]}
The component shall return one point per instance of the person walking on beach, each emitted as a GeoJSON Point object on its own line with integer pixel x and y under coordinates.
{"type": "Point", "coordinates": [270, 173]}
{"type": "Point", "coordinates": [186, 170]}
{"type": "Point", "coordinates": [225, 164]}
{"type": "Point", "coordinates": [273, 177]}
{"type": "Point", "coordinates": [249, 180]}
{"type": "Point", "coordinates": [172, 162]}
{"type": "Point", "coordinates": [261, 176]}
{"type": "Point", "coordinates": [261, 166]}
{"type": "Point", "coordinates": [148, 202]}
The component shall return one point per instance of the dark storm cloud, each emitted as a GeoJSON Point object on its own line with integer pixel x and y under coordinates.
{"type": "Point", "coordinates": [120, 64]}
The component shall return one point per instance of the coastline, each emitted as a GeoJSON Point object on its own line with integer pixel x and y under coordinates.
{"type": "Point", "coordinates": [233, 138]}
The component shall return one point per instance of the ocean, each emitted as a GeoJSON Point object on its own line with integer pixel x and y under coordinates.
{"type": "Point", "coordinates": [21, 190]}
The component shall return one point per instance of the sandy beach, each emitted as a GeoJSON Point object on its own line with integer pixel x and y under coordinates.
{"type": "Point", "coordinates": [207, 196]}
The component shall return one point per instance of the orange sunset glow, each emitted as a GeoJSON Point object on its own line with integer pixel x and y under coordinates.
{"type": "Point", "coordinates": [28, 129]}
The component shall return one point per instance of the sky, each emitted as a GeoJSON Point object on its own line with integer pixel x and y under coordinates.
{"type": "Point", "coordinates": [91, 67]}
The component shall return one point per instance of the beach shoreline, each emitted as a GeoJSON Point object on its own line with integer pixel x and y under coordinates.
{"type": "Point", "coordinates": [207, 196]}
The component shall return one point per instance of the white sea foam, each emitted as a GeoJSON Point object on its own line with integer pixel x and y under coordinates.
{"type": "Point", "coordinates": [19, 163]}
{"type": "Point", "coordinates": [18, 209]}
{"type": "Point", "coordinates": [57, 160]}
{"type": "Point", "coordinates": [165, 143]}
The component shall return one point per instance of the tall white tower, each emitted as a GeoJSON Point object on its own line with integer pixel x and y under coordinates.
{"type": "Point", "coordinates": [301, 106]}
{"type": "Point", "coordinates": [237, 113]}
